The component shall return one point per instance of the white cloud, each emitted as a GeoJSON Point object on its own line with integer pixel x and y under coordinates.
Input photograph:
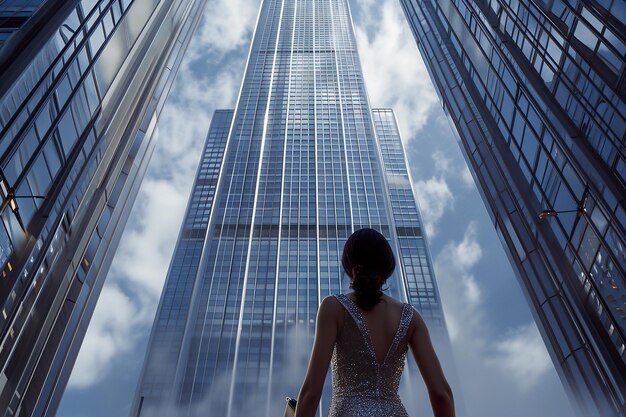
{"type": "Point", "coordinates": [230, 24]}
{"type": "Point", "coordinates": [522, 356]}
{"type": "Point", "coordinates": [498, 375]}
{"type": "Point", "coordinates": [435, 198]}
{"type": "Point", "coordinates": [461, 295]}
{"type": "Point", "coordinates": [468, 252]}
{"type": "Point", "coordinates": [395, 75]}
{"type": "Point", "coordinates": [146, 249]}
{"type": "Point", "coordinates": [466, 178]}
{"type": "Point", "coordinates": [110, 334]}
{"type": "Point", "coordinates": [443, 164]}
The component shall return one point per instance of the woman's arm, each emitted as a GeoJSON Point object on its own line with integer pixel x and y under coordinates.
{"type": "Point", "coordinates": [325, 337]}
{"type": "Point", "coordinates": [438, 388]}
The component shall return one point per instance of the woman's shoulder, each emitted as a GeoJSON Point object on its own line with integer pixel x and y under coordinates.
{"type": "Point", "coordinates": [407, 309]}
{"type": "Point", "coordinates": [394, 302]}
{"type": "Point", "coordinates": [330, 303]}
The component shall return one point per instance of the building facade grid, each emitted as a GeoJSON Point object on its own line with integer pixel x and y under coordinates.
{"type": "Point", "coordinates": [82, 88]}
{"type": "Point", "coordinates": [305, 164]}
{"type": "Point", "coordinates": [536, 92]}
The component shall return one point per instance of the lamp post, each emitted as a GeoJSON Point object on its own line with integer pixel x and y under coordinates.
{"type": "Point", "coordinates": [580, 209]}
{"type": "Point", "coordinates": [10, 200]}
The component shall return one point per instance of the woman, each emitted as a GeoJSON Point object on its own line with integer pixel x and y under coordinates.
{"type": "Point", "coordinates": [367, 333]}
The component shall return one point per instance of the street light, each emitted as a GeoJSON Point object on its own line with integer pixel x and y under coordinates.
{"type": "Point", "coordinates": [580, 209]}
{"type": "Point", "coordinates": [10, 200]}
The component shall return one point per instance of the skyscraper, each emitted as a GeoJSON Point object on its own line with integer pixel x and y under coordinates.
{"type": "Point", "coordinates": [14, 14]}
{"type": "Point", "coordinates": [537, 93]}
{"type": "Point", "coordinates": [285, 177]}
{"type": "Point", "coordinates": [82, 84]}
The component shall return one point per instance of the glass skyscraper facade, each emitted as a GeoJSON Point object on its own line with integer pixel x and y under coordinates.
{"type": "Point", "coordinates": [82, 84]}
{"type": "Point", "coordinates": [299, 164]}
{"type": "Point", "coordinates": [14, 14]}
{"type": "Point", "coordinates": [537, 92]}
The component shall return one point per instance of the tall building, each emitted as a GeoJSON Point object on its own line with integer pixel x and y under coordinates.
{"type": "Point", "coordinates": [299, 164]}
{"type": "Point", "coordinates": [537, 93]}
{"type": "Point", "coordinates": [14, 14]}
{"type": "Point", "coordinates": [82, 84]}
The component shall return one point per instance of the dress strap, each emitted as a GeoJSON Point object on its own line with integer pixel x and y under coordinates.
{"type": "Point", "coordinates": [403, 327]}
{"type": "Point", "coordinates": [356, 315]}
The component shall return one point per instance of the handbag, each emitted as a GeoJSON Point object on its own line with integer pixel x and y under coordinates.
{"type": "Point", "coordinates": [290, 407]}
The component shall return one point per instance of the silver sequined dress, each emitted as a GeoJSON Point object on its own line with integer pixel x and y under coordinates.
{"type": "Point", "coordinates": [361, 386]}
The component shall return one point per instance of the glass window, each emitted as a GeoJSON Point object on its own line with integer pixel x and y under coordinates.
{"type": "Point", "coordinates": [26, 206]}
{"type": "Point", "coordinates": [63, 91]}
{"type": "Point", "coordinates": [88, 5]}
{"type": "Point", "coordinates": [52, 157]}
{"type": "Point", "coordinates": [80, 110]}
{"type": "Point", "coordinates": [111, 59]}
{"type": "Point", "coordinates": [28, 145]}
{"type": "Point", "coordinates": [39, 177]}
{"type": "Point", "coordinates": [92, 94]}
{"type": "Point", "coordinates": [67, 132]}
{"type": "Point", "coordinates": [5, 245]}
{"type": "Point", "coordinates": [44, 119]}
{"type": "Point", "coordinates": [96, 39]}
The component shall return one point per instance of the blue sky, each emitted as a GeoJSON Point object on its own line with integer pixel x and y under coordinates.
{"type": "Point", "coordinates": [503, 366]}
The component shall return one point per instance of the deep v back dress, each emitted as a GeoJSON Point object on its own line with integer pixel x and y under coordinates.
{"type": "Point", "coordinates": [362, 387]}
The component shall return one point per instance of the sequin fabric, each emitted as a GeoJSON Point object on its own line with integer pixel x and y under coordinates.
{"type": "Point", "coordinates": [362, 387]}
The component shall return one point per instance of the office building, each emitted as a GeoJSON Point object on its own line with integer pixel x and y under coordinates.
{"type": "Point", "coordinates": [299, 164]}
{"type": "Point", "coordinates": [14, 14]}
{"type": "Point", "coordinates": [82, 84]}
{"type": "Point", "coordinates": [537, 93]}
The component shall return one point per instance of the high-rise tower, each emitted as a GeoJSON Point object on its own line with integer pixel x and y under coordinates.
{"type": "Point", "coordinates": [537, 92]}
{"type": "Point", "coordinates": [14, 14]}
{"type": "Point", "coordinates": [285, 178]}
{"type": "Point", "coordinates": [82, 84]}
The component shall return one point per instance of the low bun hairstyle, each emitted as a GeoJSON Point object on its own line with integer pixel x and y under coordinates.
{"type": "Point", "coordinates": [369, 262]}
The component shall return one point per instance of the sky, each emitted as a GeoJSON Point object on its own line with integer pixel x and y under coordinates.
{"type": "Point", "coordinates": [503, 366]}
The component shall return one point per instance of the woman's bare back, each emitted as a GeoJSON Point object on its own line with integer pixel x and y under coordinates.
{"type": "Point", "coordinates": [382, 323]}
{"type": "Point", "coordinates": [330, 326]}
{"type": "Point", "coordinates": [366, 382]}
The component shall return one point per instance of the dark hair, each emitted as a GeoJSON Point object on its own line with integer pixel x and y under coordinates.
{"type": "Point", "coordinates": [369, 262]}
